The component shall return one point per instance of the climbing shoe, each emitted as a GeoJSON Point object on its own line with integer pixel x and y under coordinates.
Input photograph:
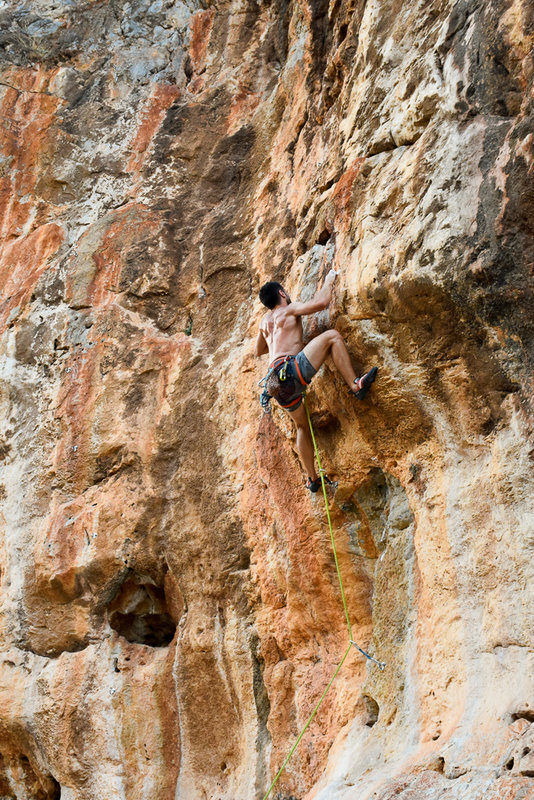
{"type": "Point", "coordinates": [315, 485]}
{"type": "Point", "coordinates": [363, 384]}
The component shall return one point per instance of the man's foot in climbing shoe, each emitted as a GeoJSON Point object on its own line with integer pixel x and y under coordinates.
{"type": "Point", "coordinates": [363, 384]}
{"type": "Point", "coordinates": [315, 485]}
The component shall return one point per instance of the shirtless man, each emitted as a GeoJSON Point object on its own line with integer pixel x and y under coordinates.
{"type": "Point", "coordinates": [281, 336]}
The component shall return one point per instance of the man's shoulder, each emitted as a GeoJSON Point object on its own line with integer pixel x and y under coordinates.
{"type": "Point", "coordinates": [266, 318]}
{"type": "Point", "coordinates": [291, 310]}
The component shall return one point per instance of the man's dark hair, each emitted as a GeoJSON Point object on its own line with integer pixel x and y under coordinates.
{"type": "Point", "coordinates": [269, 294]}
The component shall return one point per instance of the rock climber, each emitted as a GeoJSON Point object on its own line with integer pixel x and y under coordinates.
{"type": "Point", "coordinates": [293, 365]}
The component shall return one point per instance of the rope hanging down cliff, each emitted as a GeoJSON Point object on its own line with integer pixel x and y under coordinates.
{"type": "Point", "coordinates": [380, 664]}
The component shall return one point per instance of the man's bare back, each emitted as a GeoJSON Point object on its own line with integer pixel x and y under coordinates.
{"type": "Point", "coordinates": [282, 332]}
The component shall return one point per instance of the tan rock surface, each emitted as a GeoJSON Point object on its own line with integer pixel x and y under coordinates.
{"type": "Point", "coordinates": [169, 606]}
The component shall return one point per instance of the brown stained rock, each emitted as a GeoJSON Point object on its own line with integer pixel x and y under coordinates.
{"type": "Point", "coordinates": [201, 26]}
{"type": "Point", "coordinates": [170, 609]}
{"type": "Point", "coordinates": [21, 264]}
{"type": "Point", "coordinates": [152, 116]}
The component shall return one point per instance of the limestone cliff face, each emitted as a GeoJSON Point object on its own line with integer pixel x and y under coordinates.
{"type": "Point", "coordinates": [169, 604]}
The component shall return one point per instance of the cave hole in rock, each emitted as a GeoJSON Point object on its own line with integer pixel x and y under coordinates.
{"type": "Point", "coordinates": [323, 237]}
{"type": "Point", "coordinates": [188, 67]}
{"type": "Point", "coordinates": [140, 614]}
{"type": "Point", "coordinates": [525, 713]}
{"type": "Point", "coordinates": [55, 790]}
{"type": "Point", "coordinates": [510, 764]}
{"type": "Point", "coordinates": [372, 708]}
{"type": "Point", "coordinates": [342, 33]}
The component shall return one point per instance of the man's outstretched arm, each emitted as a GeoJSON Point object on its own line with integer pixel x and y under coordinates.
{"type": "Point", "coordinates": [319, 301]}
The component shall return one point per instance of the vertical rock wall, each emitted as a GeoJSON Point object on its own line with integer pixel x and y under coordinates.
{"type": "Point", "coordinates": [169, 607]}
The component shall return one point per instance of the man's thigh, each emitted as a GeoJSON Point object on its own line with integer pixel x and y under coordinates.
{"type": "Point", "coordinates": [299, 416]}
{"type": "Point", "coordinates": [317, 350]}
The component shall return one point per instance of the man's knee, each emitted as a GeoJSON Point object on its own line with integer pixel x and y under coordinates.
{"type": "Point", "coordinates": [333, 336]}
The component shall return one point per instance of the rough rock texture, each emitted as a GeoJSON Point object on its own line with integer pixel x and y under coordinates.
{"type": "Point", "coordinates": [169, 605]}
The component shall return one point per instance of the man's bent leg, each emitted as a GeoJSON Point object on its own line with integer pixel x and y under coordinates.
{"type": "Point", "coordinates": [331, 343]}
{"type": "Point", "coordinates": [304, 441]}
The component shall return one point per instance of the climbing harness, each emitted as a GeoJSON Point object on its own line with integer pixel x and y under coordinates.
{"type": "Point", "coordinates": [279, 368]}
{"type": "Point", "coordinates": [266, 397]}
{"type": "Point", "coordinates": [380, 664]}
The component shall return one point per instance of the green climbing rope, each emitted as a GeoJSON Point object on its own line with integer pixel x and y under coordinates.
{"type": "Point", "coordinates": [321, 473]}
{"type": "Point", "coordinates": [378, 663]}
{"type": "Point", "coordinates": [316, 709]}
{"type": "Point", "coordinates": [305, 728]}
